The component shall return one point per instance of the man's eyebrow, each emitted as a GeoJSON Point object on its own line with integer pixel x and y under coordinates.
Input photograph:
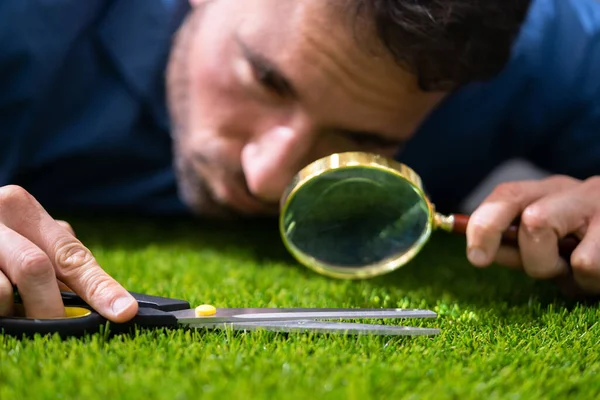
{"type": "Point", "coordinates": [268, 69]}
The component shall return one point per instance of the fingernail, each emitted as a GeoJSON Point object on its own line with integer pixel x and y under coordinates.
{"type": "Point", "coordinates": [477, 256]}
{"type": "Point", "coordinates": [121, 304]}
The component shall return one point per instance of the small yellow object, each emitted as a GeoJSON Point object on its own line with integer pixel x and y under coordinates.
{"type": "Point", "coordinates": [205, 310]}
{"type": "Point", "coordinates": [76, 312]}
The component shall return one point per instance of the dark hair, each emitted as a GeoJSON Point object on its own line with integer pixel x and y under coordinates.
{"type": "Point", "coordinates": [446, 43]}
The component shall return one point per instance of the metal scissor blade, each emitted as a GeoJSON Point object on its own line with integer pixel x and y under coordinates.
{"type": "Point", "coordinates": [339, 313]}
{"type": "Point", "coordinates": [345, 328]}
{"type": "Point", "coordinates": [188, 317]}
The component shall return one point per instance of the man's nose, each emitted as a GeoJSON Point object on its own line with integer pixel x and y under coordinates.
{"type": "Point", "coordinates": [271, 160]}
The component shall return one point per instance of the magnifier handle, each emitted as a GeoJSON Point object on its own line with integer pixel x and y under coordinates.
{"type": "Point", "coordinates": [510, 237]}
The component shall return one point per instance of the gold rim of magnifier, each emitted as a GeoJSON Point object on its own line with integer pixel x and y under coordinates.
{"type": "Point", "coordinates": [349, 160]}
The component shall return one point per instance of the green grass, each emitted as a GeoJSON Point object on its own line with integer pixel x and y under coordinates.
{"type": "Point", "coordinates": [503, 335]}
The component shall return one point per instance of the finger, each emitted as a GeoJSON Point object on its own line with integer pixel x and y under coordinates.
{"type": "Point", "coordinates": [546, 221]}
{"type": "Point", "coordinates": [63, 287]}
{"type": "Point", "coordinates": [538, 237]}
{"type": "Point", "coordinates": [508, 257]}
{"type": "Point", "coordinates": [73, 263]}
{"type": "Point", "coordinates": [498, 211]}
{"type": "Point", "coordinates": [585, 260]}
{"type": "Point", "coordinates": [511, 257]}
{"type": "Point", "coordinates": [67, 226]}
{"type": "Point", "coordinates": [31, 271]}
{"type": "Point", "coordinates": [6, 296]}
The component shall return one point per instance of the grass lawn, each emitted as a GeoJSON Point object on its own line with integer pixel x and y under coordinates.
{"type": "Point", "coordinates": [503, 335]}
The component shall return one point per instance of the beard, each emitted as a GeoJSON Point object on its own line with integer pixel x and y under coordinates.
{"type": "Point", "coordinates": [192, 189]}
{"type": "Point", "coordinates": [195, 192]}
{"type": "Point", "coordinates": [189, 166]}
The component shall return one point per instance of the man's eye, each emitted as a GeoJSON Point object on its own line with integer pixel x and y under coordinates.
{"type": "Point", "coordinates": [270, 79]}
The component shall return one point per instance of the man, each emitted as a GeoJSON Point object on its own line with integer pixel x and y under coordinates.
{"type": "Point", "coordinates": [257, 89]}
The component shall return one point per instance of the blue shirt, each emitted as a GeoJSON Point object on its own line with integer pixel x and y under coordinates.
{"type": "Point", "coordinates": [543, 107]}
{"type": "Point", "coordinates": [83, 120]}
{"type": "Point", "coordinates": [84, 126]}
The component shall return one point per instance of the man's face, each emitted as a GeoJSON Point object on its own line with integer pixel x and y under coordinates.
{"type": "Point", "coordinates": [260, 88]}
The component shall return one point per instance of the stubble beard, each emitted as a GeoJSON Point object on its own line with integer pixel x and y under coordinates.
{"type": "Point", "coordinates": [191, 188]}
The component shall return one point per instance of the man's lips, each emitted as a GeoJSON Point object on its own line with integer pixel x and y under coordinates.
{"type": "Point", "coordinates": [225, 190]}
{"type": "Point", "coordinates": [238, 198]}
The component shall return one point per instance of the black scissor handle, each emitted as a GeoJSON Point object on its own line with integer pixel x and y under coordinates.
{"type": "Point", "coordinates": [81, 319]}
{"type": "Point", "coordinates": [65, 327]}
{"type": "Point", "coordinates": [144, 301]}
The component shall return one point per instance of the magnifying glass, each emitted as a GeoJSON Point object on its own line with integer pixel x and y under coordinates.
{"type": "Point", "coordinates": [358, 215]}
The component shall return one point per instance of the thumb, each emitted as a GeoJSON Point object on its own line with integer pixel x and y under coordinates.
{"type": "Point", "coordinates": [105, 295]}
{"type": "Point", "coordinates": [98, 289]}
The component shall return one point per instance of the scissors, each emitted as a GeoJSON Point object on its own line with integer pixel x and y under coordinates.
{"type": "Point", "coordinates": [162, 312]}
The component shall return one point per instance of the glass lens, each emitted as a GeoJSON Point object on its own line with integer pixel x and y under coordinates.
{"type": "Point", "coordinates": [355, 217]}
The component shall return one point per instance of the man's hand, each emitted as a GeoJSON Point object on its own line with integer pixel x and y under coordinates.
{"type": "Point", "coordinates": [549, 210]}
{"type": "Point", "coordinates": [37, 254]}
